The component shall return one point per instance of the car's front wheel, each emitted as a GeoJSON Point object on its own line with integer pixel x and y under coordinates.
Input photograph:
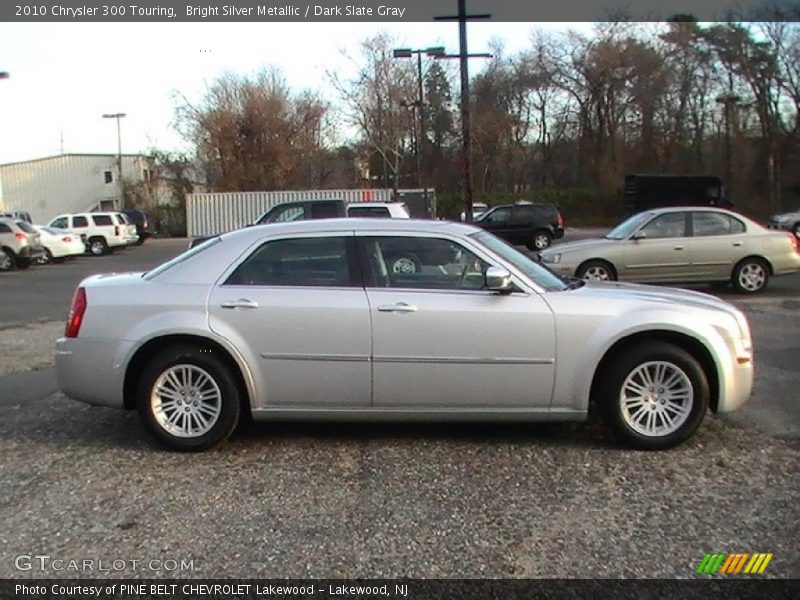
{"type": "Point", "coordinates": [654, 395]}
{"type": "Point", "coordinates": [750, 276]}
{"type": "Point", "coordinates": [46, 258]}
{"type": "Point", "coordinates": [188, 398]}
{"type": "Point", "coordinates": [596, 270]}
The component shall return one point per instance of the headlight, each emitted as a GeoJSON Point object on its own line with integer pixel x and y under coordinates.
{"type": "Point", "coordinates": [551, 259]}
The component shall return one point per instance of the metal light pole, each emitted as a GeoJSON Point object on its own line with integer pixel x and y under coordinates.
{"type": "Point", "coordinates": [418, 106]}
{"type": "Point", "coordinates": [118, 116]}
{"type": "Point", "coordinates": [462, 17]}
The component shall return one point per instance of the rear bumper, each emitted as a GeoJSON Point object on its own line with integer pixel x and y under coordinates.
{"type": "Point", "coordinates": [91, 370]}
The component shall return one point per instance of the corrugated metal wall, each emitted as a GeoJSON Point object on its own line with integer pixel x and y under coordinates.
{"type": "Point", "coordinates": [213, 213]}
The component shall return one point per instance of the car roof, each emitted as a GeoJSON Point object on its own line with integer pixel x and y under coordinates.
{"type": "Point", "coordinates": [674, 209]}
{"type": "Point", "coordinates": [398, 203]}
{"type": "Point", "coordinates": [355, 224]}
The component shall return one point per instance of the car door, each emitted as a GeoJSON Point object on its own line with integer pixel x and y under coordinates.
{"type": "Point", "coordinates": [716, 245]}
{"type": "Point", "coordinates": [498, 222]}
{"type": "Point", "coordinates": [299, 306]}
{"type": "Point", "coordinates": [441, 341]}
{"type": "Point", "coordinates": [659, 250]}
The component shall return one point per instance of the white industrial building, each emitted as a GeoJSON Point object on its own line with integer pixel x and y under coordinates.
{"type": "Point", "coordinates": [69, 183]}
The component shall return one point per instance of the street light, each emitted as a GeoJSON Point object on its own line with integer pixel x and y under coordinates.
{"type": "Point", "coordinates": [118, 116]}
{"type": "Point", "coordinates": [419, 103]}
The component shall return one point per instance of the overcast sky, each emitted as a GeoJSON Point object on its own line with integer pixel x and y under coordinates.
{"type": "Point", "coordinates": [64, 77]}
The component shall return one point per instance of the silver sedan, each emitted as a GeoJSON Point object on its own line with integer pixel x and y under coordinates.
{"type": "Point", "coordinates": [306, 321]}
{"type": "Point", "coordinates": [682, 245]}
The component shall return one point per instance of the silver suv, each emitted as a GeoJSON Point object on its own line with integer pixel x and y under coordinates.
{"type": "Point", "coordinates": [20, 244]}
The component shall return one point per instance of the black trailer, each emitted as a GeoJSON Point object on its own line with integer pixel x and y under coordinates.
{"type": "Point", "coordinates": [643, 192]}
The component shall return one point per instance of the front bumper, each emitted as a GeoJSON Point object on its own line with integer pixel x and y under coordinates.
{"type": "Point", "coordinates": [90, 370]}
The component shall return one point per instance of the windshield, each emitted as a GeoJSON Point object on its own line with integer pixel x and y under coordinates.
{"type": "Point", "coordinates": [182, 257]}
{"type": "Point", "coordinates": [628, 226]}
{"type": "Point", "coordinates": [537, 273]}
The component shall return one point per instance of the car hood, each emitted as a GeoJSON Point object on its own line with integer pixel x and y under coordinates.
{"type": "Point", "coordinates": [653, 297]}
{"type": "Point", "coordinates": [581, 245]}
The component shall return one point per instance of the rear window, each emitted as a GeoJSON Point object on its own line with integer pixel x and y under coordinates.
{"type": "Point", "coordinates": [102, 220]}
{"type": "Point", "coordinates": [369, 211]}
{"type": "Point", "coordinates": [4, 228]}
{"type": "Point", "coordinates": [25, 227]}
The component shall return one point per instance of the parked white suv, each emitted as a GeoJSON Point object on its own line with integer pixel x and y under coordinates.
{"type": "Point", "coordinates": [20, 244]}
{"type": "Point", "coordinates": [100, 231]}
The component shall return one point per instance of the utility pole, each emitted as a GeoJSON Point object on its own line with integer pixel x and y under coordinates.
{"type": "Point", "coordinates": [462, 17]}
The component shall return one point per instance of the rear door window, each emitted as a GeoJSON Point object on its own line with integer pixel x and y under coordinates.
{"type": "Point", "coordinates": [300, 262]}
{"type": "Point", "coordinates": [80, 222]}
{"type": "Point", "coordinates": [102, 220]}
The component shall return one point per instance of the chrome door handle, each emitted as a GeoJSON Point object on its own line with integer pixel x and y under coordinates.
{"type": "Point", "coordinates": [737, 244]}
{"type": "Point", "coordinates": [399, 307]}
{"type": "Point", "coordinates": [240, 303]}
{"type": "Point", "coordinates": [678, 247]}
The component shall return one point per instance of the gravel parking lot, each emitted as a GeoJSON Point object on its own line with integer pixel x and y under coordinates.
{"type": "Point", "coordinates": [366, 500]}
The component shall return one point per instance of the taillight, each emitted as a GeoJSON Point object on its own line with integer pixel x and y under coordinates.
{"type": "Point", "coordinates": [21, 236]}
{"type": "Point", "coordinates": [66, 239]}
{"type": "Point", "coordinates": [795, 244]}
{"type": "Point", "coordinates": [76, 313]}
{"type": "Point", "coordinates": [560, 220]}
{"type": "Point", "coordinates": [116, 230]}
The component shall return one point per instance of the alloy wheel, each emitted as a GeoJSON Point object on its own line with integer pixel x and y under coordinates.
{"type": "Point", "coordinates": [186, 401]}
{"type": "Point", "coordinates": [656, 398]}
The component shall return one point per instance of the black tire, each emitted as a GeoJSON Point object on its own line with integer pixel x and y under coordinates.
{"type": "Point", "coordinates": [596, 270]}
{"type": "Point", "coordinates": [98, 246]}
{"type": "Point", "coordinates": [750, 276]}
{"type": "Point", "coordinates": [201, 360]}
{"type": "Point", "coordinates": [616, 402]}
{"type": "Point", "coordinates": [540, 240]}
{"type": "Point", "coordinates": [404, 265]}
{"type": "Point", "coordinates": [8, 261]}
{"type": "Point", "coordinates": [47, 259]}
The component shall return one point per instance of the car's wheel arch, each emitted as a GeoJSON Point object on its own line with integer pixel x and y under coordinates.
{"type": "Point", "coordinates": [757, 257]}
{"type": "Point", "coordinates": [694, 346]}
{"type": "Point", "coordinates": [156, 344]}
{"type": "Point", "coordinates": [601, 259]}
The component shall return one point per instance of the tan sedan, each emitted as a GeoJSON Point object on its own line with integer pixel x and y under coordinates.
{"type": "Point", "coordinates": [682, 245]}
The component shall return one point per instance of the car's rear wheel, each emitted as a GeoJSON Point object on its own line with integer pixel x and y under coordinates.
{"type": "Point", "coordinates": [596, 270]}
{"type": "Point", "coordinates": [188, 398]}
{"type": "Point", "coordinates": [750, 276]}
{"type": "Point", "coordinates": [541, 239]}
{"type": "Point", "coordinates": [98, 246]}
{"type": "Point", "coordinates": [46, 258]}
{"type": "Point", "coordinates": [7, 260]}
{"type": "Point", "coordinates": [654, 395]}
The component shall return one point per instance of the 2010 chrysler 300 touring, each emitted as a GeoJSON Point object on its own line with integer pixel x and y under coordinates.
{"type": "Point", "coordinates": [305, 320]}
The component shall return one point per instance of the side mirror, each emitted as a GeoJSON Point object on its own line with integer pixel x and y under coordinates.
{"type": "Point", "coordinates": [639, 235]}
{"type": "Point", "coordinates": [498, 279]}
